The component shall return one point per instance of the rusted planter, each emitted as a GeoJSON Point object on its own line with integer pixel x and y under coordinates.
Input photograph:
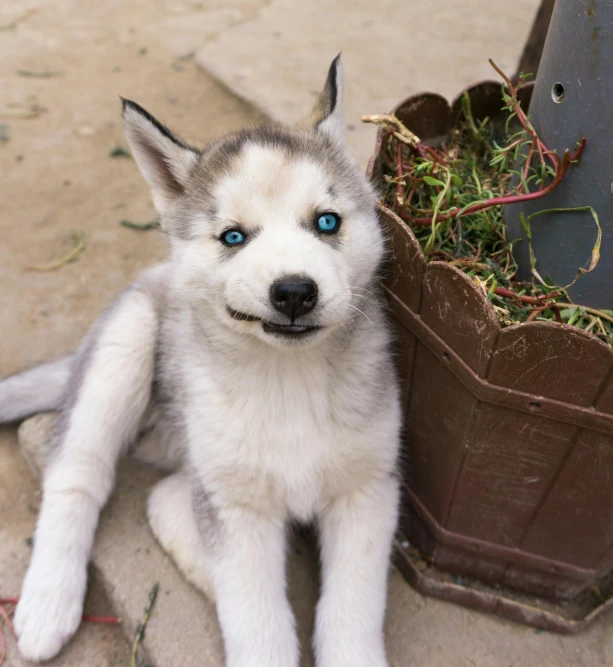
{"type": "Point", "coordinates": [509, 434]}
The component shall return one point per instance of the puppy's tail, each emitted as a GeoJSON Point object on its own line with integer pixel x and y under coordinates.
{"type": "Point", "coordinates": [38, 390]}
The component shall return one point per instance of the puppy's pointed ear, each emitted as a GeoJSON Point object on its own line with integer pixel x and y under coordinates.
{"type": "Point", "coordinates": [328, 114]}
{"type": "Point", "coordinates": [164, 160]}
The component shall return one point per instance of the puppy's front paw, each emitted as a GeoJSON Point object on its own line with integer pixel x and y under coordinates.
{"type": "Point", "coordinates": [49, 612]}
{"type": "Point", "coordinates": [342, 650]}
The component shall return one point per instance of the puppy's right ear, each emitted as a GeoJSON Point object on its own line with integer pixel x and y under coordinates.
{"type": "Point", "coordinates": [164, 160]}
{"type": "Point", "coordinates": [328, 115]}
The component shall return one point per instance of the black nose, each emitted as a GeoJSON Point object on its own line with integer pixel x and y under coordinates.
{"type": "Point", "coordinates": [294, 296]}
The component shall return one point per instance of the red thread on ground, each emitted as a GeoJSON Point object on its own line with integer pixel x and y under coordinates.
{"type": "Point", "coordinates": [87, 618]}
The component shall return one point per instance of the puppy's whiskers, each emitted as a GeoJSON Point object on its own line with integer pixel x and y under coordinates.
{"type": "Point", "coordinates": [361, 312]}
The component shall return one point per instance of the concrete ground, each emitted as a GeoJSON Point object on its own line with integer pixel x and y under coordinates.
{"type": "Point", "coordinates": [57, 175]}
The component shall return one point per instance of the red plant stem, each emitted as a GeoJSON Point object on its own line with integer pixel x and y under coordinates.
{"type": "Point", "coordinates": [9, 625]}
{"type": "Point", "coordinates": [501, 291]}
{"type": "Point", "coordinates": [440, 253]}
{"type": "Point", "coordinates": [410, 177]}
{"type": "Point", "coordinates": [502, 201]}
{"type": "Point", "coordinates": [410, 195]}
{"type": "Point", "coordinates": [577, 154]}
{"type": "Point", "coordinates": [108, 620]}
{"type": "Point", "coordinates": [529, 160]}
{"type": "Point", "coordinates": [536, 310]}
{"type": "Point", "coordinates": [521, 116]}
{"type": "Point", "coordinates": [399, 210]}
{"type": "Point", "coordinates": [419, 210]}
{"type": "Point", "coordinates": [524, 298]}
{"type": "Point", "coordinates": [541, 156]}
{"type": "Point", "coordinates": [420, 149]}
{"type": "Point", "coordinates": [104, 620]}
{"type": "Point", "coordinates": [2, 647]}
{"type": "Point", "coordinates": [436, 156]}
{"type": "Point", "coordinates": [556, 312]}
{"type": "Point", "coordinates": [7, 621]}
{"type": "Point", "coordinates": [401, 213]}
{"type": "Point", "coordinates": [515, 143]}
{"type": "Point", "coordinates": [560, 167]}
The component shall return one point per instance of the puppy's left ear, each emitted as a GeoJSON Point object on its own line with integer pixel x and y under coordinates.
{"type": "Point", "coordinates": [164, 160]}
{"type": "Point", "coordinates": [328, 114]}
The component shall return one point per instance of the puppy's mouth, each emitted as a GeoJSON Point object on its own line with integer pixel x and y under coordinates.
{"type": "Point", "coordinates": [292, 329]}
{"type": "Point", "coordinates": [237, 315]}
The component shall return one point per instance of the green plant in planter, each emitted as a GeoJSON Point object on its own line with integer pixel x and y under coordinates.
{"type": "Point", "coordinates": [452, 195]}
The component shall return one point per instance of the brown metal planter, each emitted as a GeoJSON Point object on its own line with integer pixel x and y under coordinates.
{"type": "Point", "coordinates": [509, 489]}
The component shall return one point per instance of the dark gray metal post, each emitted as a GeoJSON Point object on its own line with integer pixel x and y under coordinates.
{"type": "Point", "coordinates": [533, 49]}
{"type": "Point", "coordinates": [573, 98]}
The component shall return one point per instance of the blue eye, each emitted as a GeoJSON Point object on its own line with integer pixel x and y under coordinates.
{"type": "Point", "coordinates": [328, 223]}
{"type": "Point", "coordinates": [233, 237]}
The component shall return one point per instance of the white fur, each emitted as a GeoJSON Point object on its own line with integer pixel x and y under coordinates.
{"type": "Point", "coordinates": [77, 483]}
{"type": "Point", "coordinates": [270, 190]}
{"type": "Point", "coordinates": [172, 520]}
{"type": "Point", "coordinates": [334, 124]}
{"type": "Point", "coordinates": [148, 144]}
{"type": "Point", "coordinates": [37, 390]}
{"type": "Point", "coordinates": [270, 429]}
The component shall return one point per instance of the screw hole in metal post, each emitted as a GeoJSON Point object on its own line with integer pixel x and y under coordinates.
{"type": "Point", "coordinates": [534, 406]}
{"type": "Point", "coordinates": [446, 357]}
{"type": "Point", "coordinates": [557, 93]}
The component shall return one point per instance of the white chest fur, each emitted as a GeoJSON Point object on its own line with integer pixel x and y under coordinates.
{"type": "Point", "coordinates": [285, 432]}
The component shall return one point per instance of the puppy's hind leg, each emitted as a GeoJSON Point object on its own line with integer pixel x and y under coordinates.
{"type": "Point", "coordinates": [113, 385]}
{"type": "Point", "coordinates": [171, 516]}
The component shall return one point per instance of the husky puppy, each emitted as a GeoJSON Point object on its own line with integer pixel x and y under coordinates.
{"type": "Point", "coordinates": [256, 363]}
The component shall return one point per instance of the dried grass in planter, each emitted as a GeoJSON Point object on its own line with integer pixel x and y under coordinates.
{"type": "Point", "coordinates": [453, 197]}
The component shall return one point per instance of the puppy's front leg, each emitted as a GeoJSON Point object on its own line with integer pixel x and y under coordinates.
{"type": "Point", "coordinates": [248, 575]}
{"type": "Point", "coordinates": [109, 400]}
{"type": "Point", "coordinates": [356, 534]}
